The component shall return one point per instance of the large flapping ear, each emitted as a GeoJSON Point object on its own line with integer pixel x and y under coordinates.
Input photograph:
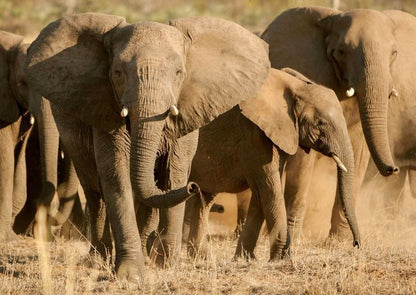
{"type": "Point", "coordinates": [225, 64]}
{"type": "Point", "coordinates": [296, 40]}
{"type": "Point", "coordinates": [273, 112]}
{"type": "Point", "coordinates": [69, 65]}
{"type": "Point", "coordinates": [9, 110]}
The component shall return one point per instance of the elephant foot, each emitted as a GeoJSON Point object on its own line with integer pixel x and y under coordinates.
{"type": "Point", "coordinates": [162, 253]}
{"type": "Point", "coordinates": [246, 255]}
{"type": "Point", "coordinates": [200, 252]}
{"type": "Point", "coordinates": [131, 271]}
{"type": "Point", "coordinates": [280, 255]}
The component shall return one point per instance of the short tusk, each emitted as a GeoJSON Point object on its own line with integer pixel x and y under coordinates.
{"type": "Point", "coordinates": [350, 92]}
{"type": "Point", "coordinates": [394, 93]}
{"type": "Point", "coordinates": [62, 155]}
{"type": "Point", "coordinates": [32, 119]}
{"type": "Point", "coordinates": [339, 163]}
{"type": "Point", "coordinates": [124, 112]}
{"type": "Point", "coordinates": [174, 110]}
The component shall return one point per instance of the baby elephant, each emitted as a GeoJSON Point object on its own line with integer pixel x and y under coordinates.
{"type": "Point", "coordinates": [248, 146]}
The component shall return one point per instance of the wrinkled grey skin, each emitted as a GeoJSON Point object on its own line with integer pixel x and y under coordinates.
{"type": "Point", "coordinates": [254, 146]}
{"type": "Point", "coordinates": [16, 100]}
{"type": "Point", "coordinates": [43, 153]}
{"type": "Point", "coordinates": [92, 66]}
{"type": "Point", "coordinates": [369, 51]}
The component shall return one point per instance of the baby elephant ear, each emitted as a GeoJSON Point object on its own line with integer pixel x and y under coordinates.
{"type": "Point", "coordinates": [9, 110]}
{"type": "Point", "coordinates": [273, 112]}
{"type": "Point", "coordinates": [68, 64]}
{"type": "Point", "coordinates": [296, 74]}
{"type": "Point", "coordinates": [225, 64]}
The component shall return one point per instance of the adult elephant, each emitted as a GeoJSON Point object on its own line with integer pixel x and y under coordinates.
{"type": "Point", "coordinates": [365, 57]}
{"type": "Point", "coordinates": [256, 139]}
{"type": "Point", "coordinates": [43, 145]}
{"type": "Point", "coordinates": [167, 80]}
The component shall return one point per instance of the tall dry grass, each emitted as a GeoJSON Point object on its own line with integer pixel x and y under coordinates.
{"type": "Point", "coordinates": [386, 264]}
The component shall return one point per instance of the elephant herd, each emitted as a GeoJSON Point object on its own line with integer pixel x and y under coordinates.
{"type": "Point", "coordinates": [151, 115]}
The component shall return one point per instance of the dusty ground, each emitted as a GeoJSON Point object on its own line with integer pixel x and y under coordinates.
{"type": "Point", "coordinates": [386, 264]}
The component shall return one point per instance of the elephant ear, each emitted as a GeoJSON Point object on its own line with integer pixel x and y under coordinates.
{"type": "Point", "coordinates": [225, 64]}
{"type": "Point", "coordinates": [273, 112]}
{"type": "Point", "coordinates": [296, 40]}
{"type": "Point", "coordinates": [9, 109]}
{"type": "Point", "coordinates": [69, 65]}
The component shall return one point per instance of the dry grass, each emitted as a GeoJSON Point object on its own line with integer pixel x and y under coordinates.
{"type": "Point", "coordinates": [386, 264]}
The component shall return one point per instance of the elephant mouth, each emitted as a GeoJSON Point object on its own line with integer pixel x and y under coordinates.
{"type": "Point", "coordinates": [306, 149]}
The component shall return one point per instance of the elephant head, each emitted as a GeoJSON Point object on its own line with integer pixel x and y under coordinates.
{"type": "Point", "coordinates": [293, 111]}
{"type": "Point", "coordinates": [352, 53]}
{"type": "Point", "coordinates": [168, 79]}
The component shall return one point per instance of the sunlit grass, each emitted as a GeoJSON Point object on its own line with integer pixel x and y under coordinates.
{"type": "Point", "coordinates": [384, 265]}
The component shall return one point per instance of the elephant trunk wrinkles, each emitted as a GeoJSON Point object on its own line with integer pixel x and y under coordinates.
{"type": "Point", "coordinates": [345, 187]}
{"type": "Point", "coordinates": [146, 136]}
{"type": "Point", "coordinates": [49, 144]}
{"type": "Point", "coordinates": [373, 107]}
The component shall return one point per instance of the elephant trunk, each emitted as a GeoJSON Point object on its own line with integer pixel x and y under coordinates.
{"type": "Point", "coordinates": [49, 143]}
{"type": "Point", "coordinates": [345, 188]}
{"type": "Point", "coordinates": [146, 136]}
{"type": "Point", "coordinates": [373, 107]}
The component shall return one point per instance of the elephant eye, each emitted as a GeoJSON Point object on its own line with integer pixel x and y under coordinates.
{"type": "Point", "coordinates": [117, 73]}
{"type": "Point", "coordinates": [179, 72]}
{"type": "Point", "coordinates": [321, 123]}
{"type": "Point", "coordinates": [394, 53]}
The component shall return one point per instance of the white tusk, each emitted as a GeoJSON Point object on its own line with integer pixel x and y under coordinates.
{"type": "Point", "coordinates": [32, 119]}
{"type": "Point", "coordinates": [62, 155]}
{"type": "Point", "coordinates": [339, 163]}
{"type": "Point", "coordinates": [174, 110]}
{"type": "Point", "coordinates": [124, 112]}
{"type": "Point", "coordinates": [350, 92]}
{"type": "Point", "coordinates": [394, 93]}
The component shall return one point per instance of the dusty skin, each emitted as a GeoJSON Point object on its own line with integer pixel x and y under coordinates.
{"type": "Point", "coordinates": [381, 266]}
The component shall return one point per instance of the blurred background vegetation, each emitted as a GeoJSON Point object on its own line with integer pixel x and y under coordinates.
{"type": "Point", "coordinates": [28, 17]}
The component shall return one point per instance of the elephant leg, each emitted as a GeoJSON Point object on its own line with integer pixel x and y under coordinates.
{"type": "Point", "coordinates": [199, 210]}
{"type": "Point", "coordinates": [112, 156]}
{"type": "Point", "coordinates": [243, 201]}
{"type": "Point", "coordinates": [188, 218]}
{"type": "Point", "coordinates": [6, 184]}
{"type": "Point", "coordinates": [179, 159]}
{"type": "Point", "coordinates": [77, 140]}
{"type": "Point", "coordinates": [251, 229]}
{"type": "Point", "coordinates": [170, 233]}
{"type": "Point", "coordinates": [339, 224]}
{"type": "Point", "coordinates": [147, 221]}
{"type": "Point", "coordinates": [68, 192]}
{"type": "Point", "coordinates": [265, 181]}
{"type": "Point", "coordinates": [298, 175]}
{"type": "Point", "coordinates": [20, 178]}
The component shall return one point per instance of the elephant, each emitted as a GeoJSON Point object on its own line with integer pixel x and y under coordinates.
{"type": "Point", "coordinates": [42, 145]}
{"type": "Point", "coordinates": [257, 137]}
{"type": "Point", "coordinates": [15, 129]}
{"type": "Point", "coordinates": [363, 55]}
{"type": "Point", "coordinates": [128, 100]}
